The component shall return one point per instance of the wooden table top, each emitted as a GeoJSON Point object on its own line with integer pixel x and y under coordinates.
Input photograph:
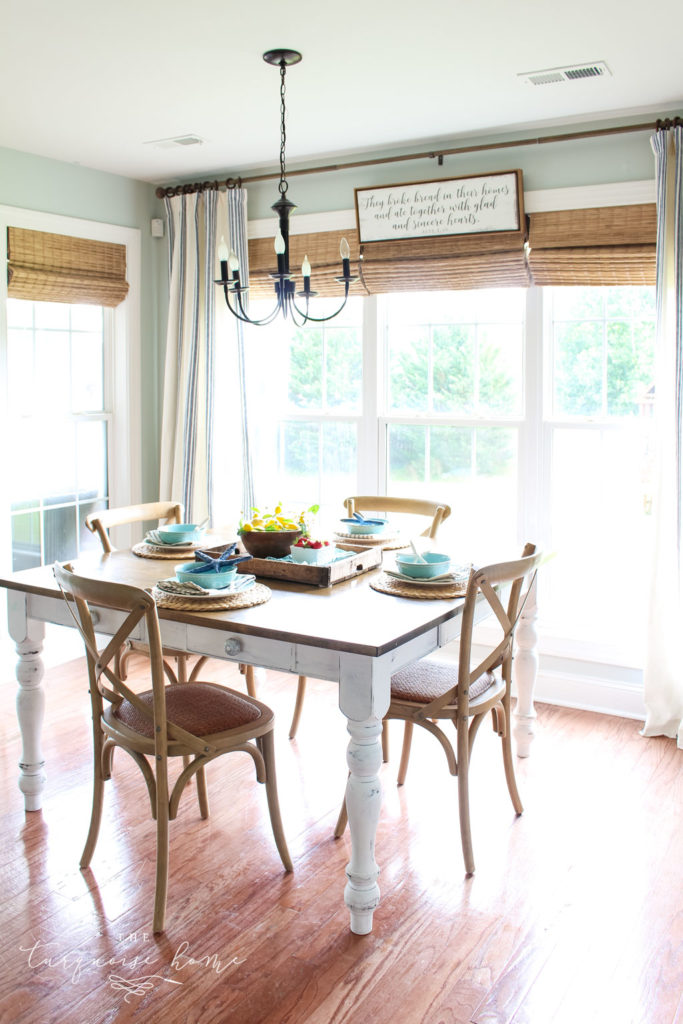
{"type": "Point", "coordinates": [348, 616]}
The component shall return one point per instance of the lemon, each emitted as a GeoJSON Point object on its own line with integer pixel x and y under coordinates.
{"type": "Point", "coordinates": [247, 528]}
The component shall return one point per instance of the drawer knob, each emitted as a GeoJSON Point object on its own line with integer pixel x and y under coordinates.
{"type": "Point", "coordinates": [233, 646]}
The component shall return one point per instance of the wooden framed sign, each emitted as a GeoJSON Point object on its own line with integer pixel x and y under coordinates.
{"type": "Point", "coordinates": [476, 204]}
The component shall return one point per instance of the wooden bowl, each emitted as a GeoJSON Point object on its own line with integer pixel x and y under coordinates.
{"type": "Point", "coordinates": [268, 543]}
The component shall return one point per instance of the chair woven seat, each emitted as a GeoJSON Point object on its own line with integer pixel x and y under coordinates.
{"type": "Point", "coordinates": [425, 680]}
{"type": "Point", "coordinates": [200, 708]}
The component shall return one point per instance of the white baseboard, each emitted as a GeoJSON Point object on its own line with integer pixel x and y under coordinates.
{"type": "Point", "coordinates": [590, 693]}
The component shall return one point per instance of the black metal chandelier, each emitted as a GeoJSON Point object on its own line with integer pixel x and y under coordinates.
{"type": "Point", "coordinates": [285, 285]}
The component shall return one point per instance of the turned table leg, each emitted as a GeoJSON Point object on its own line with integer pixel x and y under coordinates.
{"type": "Point", "coordinates": [363, 801]}
{"type": "Point", "coordinates": [28, 635]}
{"type": "Point", "coordinates": [526, 670]}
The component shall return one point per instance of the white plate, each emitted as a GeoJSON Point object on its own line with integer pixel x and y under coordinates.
{"type": "Point", "coordinates": [222, 592]}
{"type": "Point", "coordinates": [449, 580]}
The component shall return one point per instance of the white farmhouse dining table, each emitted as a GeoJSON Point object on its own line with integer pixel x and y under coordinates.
{"type": "Point", "coordinates": [347, 633]}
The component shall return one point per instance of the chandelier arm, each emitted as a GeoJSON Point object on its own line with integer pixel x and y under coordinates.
{"type": "Point", "coordinates": [321, 319]}
{"type": "Point", "coordinates": [243, 316]}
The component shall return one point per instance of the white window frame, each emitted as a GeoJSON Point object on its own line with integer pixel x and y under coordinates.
{"type": "Point", "coordinates": [124, 359]}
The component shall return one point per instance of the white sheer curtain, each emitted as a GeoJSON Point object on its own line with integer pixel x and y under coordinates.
{"type": "Point", "coordinates": [663, 669]}
{"type": "Point", "coordinates": [204, 423]}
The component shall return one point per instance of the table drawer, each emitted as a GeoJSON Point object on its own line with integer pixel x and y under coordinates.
{"type": "Point", "coordinates": [248, 650]}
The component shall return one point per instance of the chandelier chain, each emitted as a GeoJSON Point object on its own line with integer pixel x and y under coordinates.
{"type": "Point", "coordinates": [283, 186]}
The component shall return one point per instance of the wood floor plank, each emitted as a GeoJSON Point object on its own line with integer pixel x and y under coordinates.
{"type": "Point", "coordinates": [574, 915]}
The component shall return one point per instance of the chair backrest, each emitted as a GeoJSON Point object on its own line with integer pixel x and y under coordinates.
{"type": "Point", "coordinates": [100, 522]}
{"type": "Point", "coordinates": [482, 586]}
{"type": "Point", "coordinates": [435, 511]}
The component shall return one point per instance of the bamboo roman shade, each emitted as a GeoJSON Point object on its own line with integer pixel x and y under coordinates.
{"type": "Point", "coordinates": [59, 268]}
{"type": "Point", "coordinates": [608, 245]}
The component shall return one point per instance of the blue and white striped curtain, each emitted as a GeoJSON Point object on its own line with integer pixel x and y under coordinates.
{"type": "Point", "coordinates": [196, 223]}
{"type": "Point", "coordinates": [663, 675]}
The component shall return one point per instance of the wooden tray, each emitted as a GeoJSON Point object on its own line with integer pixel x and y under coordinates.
{"type": "Point", "coordinates": [361, 559]}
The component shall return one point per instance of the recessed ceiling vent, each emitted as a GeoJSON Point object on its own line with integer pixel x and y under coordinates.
{"type": "Point", "coordinates": [180, 140]}
{"type": "Point", "coordinates": [573, 73]}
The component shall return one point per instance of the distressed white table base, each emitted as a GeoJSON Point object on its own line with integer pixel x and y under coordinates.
{"type": "Point", "coordinates": [526, 670]}
{"type": "Point", "coordinates": [363, 803]}
{"type": "Point", "coordinates": [30, 699]}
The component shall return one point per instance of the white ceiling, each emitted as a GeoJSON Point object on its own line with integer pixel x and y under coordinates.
{"type": "Point", "coordinates": [96, 83]}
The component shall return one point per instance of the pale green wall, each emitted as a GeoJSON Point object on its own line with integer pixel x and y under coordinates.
{"type": "Point", "coordinates": [51, 186]}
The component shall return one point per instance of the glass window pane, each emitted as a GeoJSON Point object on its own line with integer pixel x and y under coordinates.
{"type": "Point", "coordinates": [91, 459]}
{"type": "Point", "coordinates": [450, 453]}
{"type": "Point", "coordinates": [305, 378]}
{"type": "Point", "coordinates": [453, 369]}
{"type": "Point", "coordinates": [25, 541]}
{"type": "Point", "coordinates": [339, 458]}
{"type": "Point", "coordinates": [52, 372]}
{"type": "Point", "coordinates": [577, 368]}
{"type": "Point", "coordinates": [20, 371]}
{"type": "Point", "coordinates": [343, 369]}
{"type": "Point", "coordinates": [299, 455]}
{"type": "Point", "coordinates": [88, 541]}
{"type": "Point", "coordinates": [60, 534]}
{"type": "Point", "coordinates": [630, 366]}
{"type": "Point", "coordinates": [407, 457]}
{"type": "Point", "coordinates": [52, 315]}
{"type": "Point", "coordinates": [87, 318]}
{"type": "Point", "coordinates": [577, 303]}
{"type": "Point", "coordinates": [19, 313]}
{"type": "Point", "coordinates": [87, 372]}
{"type": "Point", "coordinates": [58, 463]}
{"type": "Point", "coordinates": [500, 369]}
{"type": "Point", "coordinates": [408, 350]}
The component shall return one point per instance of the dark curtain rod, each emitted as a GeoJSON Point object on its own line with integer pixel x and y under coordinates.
{"type": "Point", "coordinates": [438, 154]}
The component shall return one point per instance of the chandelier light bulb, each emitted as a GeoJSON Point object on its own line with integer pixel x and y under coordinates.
{"type": "Point", "coordinates": [306, 267]}
{"type": "Point", "coordinates": [223, 250]}
{"type": "Point", "coordinates": [233, 262]}
{"type": "Point", "coordinates": [344, 250]}
{"type": "Point", "coordinates": [279, 244]}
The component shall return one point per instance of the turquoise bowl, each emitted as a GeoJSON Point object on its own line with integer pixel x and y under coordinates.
{"type": "Point", "coordinates": [365, 528]}
{"type": "Point", "coordinates": [179, 533]}
{"type": "Point", "coordinates": [434, 565]}
{"type": "Point", "coordinates": [216, 580]}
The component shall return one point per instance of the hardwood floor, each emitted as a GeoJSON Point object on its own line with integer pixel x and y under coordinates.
{"type": "Point", "coordinates": [575, 914]}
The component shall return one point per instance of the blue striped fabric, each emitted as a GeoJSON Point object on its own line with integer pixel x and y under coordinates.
{"type": "Point", "coordinates": [188, 413]}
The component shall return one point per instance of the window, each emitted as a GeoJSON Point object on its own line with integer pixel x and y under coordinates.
{"type": "Point", "coordinates": [58, 419]}
{"type": "Point", "coordinates": [308, 389]}
{"type": "Point", "coordinates": [527, 410]}
{"type": "Point", "coordinates": [70, 404]}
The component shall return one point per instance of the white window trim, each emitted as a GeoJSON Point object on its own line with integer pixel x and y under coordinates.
{"type": "Point", "coordinates": [125, 449]}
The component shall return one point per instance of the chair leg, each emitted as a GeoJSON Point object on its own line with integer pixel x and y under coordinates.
{"type": "Point", "coordinates": [97, 802]}
{"type": "Point", "coordinates": [385, 741]}
{"type": "Point", "coordinates": [161, 885]}
{"type": "Point", "coordinates": [464, 796]}
{"type": "Point", "coordinates": [250, 680]}
{"type": "Point", "coordinates": [267, 748]}
{"type": "Point", "coordinates": [298, 705]}
{"type": "Point", "coordinates": [509, 765]}
{"type": "Point", "coordinates": [202, 793]}
{"type": "Point", "coordinates": [342, 821]}
{"type": "Point", "coordinates": [405, 753]}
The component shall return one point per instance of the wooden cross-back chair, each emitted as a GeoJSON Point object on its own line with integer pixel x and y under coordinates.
{"type": "Point", "coordinates": [433, 511]}
{"type": "Point", "coordinates": [100, 523]}
{"type": "Point", "coordinates": [196, 721]}
{"type": "Point", "coordinates": [431, 691]}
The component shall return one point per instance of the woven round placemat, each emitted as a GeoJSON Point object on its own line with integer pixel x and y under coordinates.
{"type": "Point", "coordinates": [145, 550]}
{"type": "Point", "coordinates": [387, 585]}
{"type": "Point", "coordinates": [258, 594]}
{"type": "Point", "coordinates": [372, 540]}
